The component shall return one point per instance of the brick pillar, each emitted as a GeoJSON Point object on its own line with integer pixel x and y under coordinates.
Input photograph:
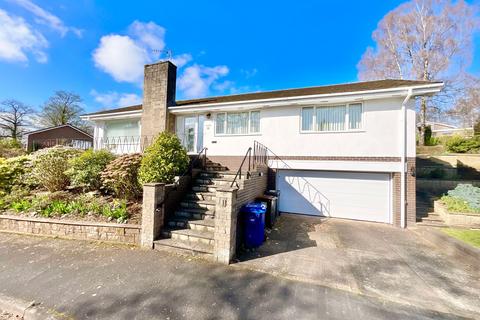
{"type": "Point", "coordinates": [152, 213]}
{"type": "Point", "coordinates": [158, 94]}
{"type": "Point", "coordinates": [411, 210]}
{"type": "Point", "coordinates": [225, 233]}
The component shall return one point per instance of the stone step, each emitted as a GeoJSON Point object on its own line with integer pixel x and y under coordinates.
{"type": "Point", "coordinates": [194, 213]}
{"type": "Point", "coordinates": [204, 188]}
{"type": "Point", "coordinates": [433, 218]}
{"type": "Point", "coordinates": [182, 247]}
{"type": "Point", "coordinates": [189, 235]}
{"type": "Point", "coordinates": [432, 224]}
{"type": "Point", "coordinates": [218, 174]}
{"type": "Point", "coordinates": [195, 203]}
{"type": "Point", "coordinates": [215, 168]}
{"type": "Point", "coordinates": [199, 225]}
{"type": "Point", "coordinates": [208, 196]}
{"type": "Point", "coordinates": [223, 182]}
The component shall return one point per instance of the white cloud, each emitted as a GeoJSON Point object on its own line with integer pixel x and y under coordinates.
{"type": "Point", "coordinates": [42, 16]}
{"type": "Point", "coordinates": [196, 80]}
{"type": "Point", "coordinates": [18, 38]}
{"type": "Point", "coordinates": [181, 59]}
{"type": "Point", "coordinates": [149, 34]}
{"type": "Point", "coordinates": [121, 57]}
{"type": "Point", "coordinates": [248, 73]}
{"type": "Point", "coordinates": [115, 99]}
{"type": "Point", "coordinates": [124, 56]}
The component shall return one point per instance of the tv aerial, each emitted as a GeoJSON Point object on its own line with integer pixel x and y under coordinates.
{"type": "Point", "coordinates": [166, 53]}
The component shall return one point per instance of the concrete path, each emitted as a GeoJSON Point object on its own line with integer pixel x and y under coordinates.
{"type": "Point", "coordinates": [371, 259]}
{"type": "Point", "coordinates": [90, 281]}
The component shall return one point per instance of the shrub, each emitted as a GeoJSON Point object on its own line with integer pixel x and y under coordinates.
{"type": "Point", "coordinates": [14, 171]}
{"type": "Point", "coordinates": [118, 211]}
{"type": "Point", "coordinates": [467, 193]}
{"type": "Point", "coordinates": [455, 204]}
{"type": "Point", "coordinates": [10, 148]}
{"type": "Point", "coordinates": [50, 165]}
{"type": "Point", "coordinates": [85, 169]}
{"type": "Point", "coordinates": [121, 176]}
{"type": "Point", "coordinates": [164, 159]}
{"type": "Point", "coordinates": [459, 144]}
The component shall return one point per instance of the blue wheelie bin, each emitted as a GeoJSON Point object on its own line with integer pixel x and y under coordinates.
{"type": "Point", "coordinates": [254, 214]}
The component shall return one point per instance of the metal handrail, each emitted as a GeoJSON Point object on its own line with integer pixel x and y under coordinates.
{"type": "Point", "coordinates": [306, 182]}
{"type": "Point", "coordinates": [248, 155]}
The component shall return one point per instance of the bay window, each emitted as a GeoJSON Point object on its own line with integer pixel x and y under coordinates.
{"type": "Point", "coordinates": [237, 123]}
{"type": "Point", "coordinates": [332, 118]}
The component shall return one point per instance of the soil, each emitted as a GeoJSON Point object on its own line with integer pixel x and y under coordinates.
{"type": "Point", "coordinates": [8, 316]}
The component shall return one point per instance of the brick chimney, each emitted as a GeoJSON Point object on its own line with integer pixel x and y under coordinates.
{"type": "Point", "coordinates": [158, 94]}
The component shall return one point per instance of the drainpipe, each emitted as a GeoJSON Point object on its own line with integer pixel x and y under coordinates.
{"type": "Point", "coordinates": [403, 200]}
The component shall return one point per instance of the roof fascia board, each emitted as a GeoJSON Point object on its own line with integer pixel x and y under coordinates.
{"type": "Point", "coordinates": [113, 115]}
{"type": "Point", "coordinates": [53, 128]}
{"type": "Point", "coordinates": [364, 95]}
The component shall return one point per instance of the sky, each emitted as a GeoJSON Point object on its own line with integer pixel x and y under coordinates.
{"type": "Point", "coordinates": [97, 49]}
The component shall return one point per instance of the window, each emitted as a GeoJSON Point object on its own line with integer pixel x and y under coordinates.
{"type": "Point", "coordinates": [122, 128]}
{"type": "Point", "coordinates": [332, 118]}
{"type": "Point", "coordinates": [355, 116]}
{"type": "Point", "coordinates": [307, 119]}
{"type": "Point", "coordinates": [237, 123]}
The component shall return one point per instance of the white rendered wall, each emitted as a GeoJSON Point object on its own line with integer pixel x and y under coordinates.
{"type": "Point", "coordinates": [280, 131]}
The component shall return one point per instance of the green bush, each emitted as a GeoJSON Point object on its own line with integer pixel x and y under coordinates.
{"type": "Point", "coordinates": [117, 211]}
{"type": "Point", "coordinates": [121, 176]}
{"type": "Point", "coordinates": [50, 165]}
{"type": "Point", "coordinates": [467, 193]}
{"type": "Point", "coordinates": [10, 148]}
{"type": "Point", "coordinates": [458, 205]}
{"type": "Point", "coordinates": [14, 171]}
{"type": "Point", "coordinates": [164, 159]}
{"type": "Point", "coordinates": [85, 169]}
{"type": "Point", "coordinates": [459, 144]}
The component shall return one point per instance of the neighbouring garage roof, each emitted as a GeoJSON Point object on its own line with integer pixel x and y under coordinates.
{"type": "Point", "coordinates": [330, 89]}
{"type": "Point", "coordinates": [58, 127]}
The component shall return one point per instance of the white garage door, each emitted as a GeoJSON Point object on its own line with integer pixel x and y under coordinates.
{"type": "Point", "coordinates": [351, 195]}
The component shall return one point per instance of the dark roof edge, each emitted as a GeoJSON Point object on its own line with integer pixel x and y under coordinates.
{"type": "Point", "coordinates": [60, 126]}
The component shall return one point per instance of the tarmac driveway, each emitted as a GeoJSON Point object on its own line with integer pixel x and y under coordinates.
{"type": "Point", "coordinates": [371, 259]}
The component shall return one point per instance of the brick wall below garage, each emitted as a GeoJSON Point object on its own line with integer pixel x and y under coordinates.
{"type": "Point", "coordinates": [79, 230]}
{"type": "Point", "coordinates": [411, 209]}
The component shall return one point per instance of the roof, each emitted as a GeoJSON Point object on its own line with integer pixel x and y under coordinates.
{"type": "Point", "coordinates": [330, 89]}
{"type": "Point", "coordinates": [58, 127]}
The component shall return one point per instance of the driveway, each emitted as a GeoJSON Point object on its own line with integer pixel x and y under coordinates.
{"type": "Point", "coordinates": [79, 280]}
{"type": "Point", "coordinates": [370, 259]}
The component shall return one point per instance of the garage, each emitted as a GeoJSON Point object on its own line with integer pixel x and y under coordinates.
{"type": "Point", "coordinates": [350, 195]}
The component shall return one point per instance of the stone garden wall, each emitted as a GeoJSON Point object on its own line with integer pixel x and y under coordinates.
{"type": "Point", "coordinates": [79, 230]}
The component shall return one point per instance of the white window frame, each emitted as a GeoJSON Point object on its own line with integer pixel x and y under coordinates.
{"type": "Point", "coordinates": [249, 133]}
{"type": "Point", "coordinates": [347, 122]}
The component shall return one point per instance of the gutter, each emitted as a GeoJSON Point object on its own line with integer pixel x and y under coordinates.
{"type": "Point", "coordinates": [403, 200]}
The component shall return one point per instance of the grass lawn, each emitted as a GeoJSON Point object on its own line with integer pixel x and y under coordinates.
{"type": "Point", "coordinates": [472, 237]}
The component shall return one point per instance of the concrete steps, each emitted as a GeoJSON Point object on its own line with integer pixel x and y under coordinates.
{"type": "Point", "coordinates": [182, 247]}
{"type": "Point", "coordinates": [190, 229]}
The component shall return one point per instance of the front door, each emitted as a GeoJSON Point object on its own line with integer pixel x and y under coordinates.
{"type": "Point", "coordinates": [193, 133]}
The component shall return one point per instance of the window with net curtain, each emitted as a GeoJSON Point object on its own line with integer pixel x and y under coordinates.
{"type": "Point", "coordinates": [122, 128]}
{"type": "Point", "coordinates": [237, 123]}
{"type": "Point", "coordinates": [332, 118]}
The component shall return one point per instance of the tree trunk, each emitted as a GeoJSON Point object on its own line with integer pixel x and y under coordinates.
{"type": "Point", "coordinates": [423, 121]}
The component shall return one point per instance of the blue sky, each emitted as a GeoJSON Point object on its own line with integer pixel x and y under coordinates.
{"type": "Point", "coordinates": [96, 48]}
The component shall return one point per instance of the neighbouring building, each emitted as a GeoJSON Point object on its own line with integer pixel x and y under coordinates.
{"type": "Point", "coordinates": [67, 134]}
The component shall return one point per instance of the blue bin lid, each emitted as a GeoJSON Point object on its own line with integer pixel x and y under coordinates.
{"type": "Point", "coordinates": [255, 207]}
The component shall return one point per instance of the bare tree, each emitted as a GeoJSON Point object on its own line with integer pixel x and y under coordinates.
{"type": "Point", "coordinates": [62, 108]}
{"type": "Point", "coordinates": [467, 106]}
{"type": "Point", "coordinates": [14, 118]}
{"type": "Point", "coordinates": [423, 40]}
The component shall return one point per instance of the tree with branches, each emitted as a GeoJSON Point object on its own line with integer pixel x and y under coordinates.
{"type": "Point", "coordinates": [14, 118]}
{"type": "Point", "coordinates": [424, 40]}
{"type": "Point", "coordinates": [62, 108]}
